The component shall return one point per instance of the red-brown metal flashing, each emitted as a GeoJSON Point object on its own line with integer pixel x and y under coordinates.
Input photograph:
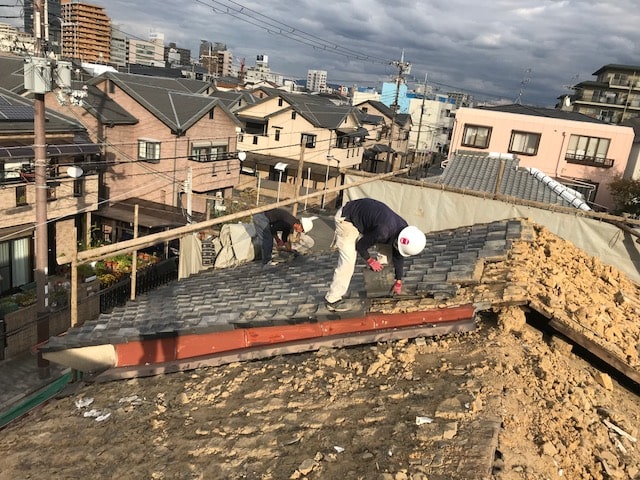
{"type": "Point", "coordinates": [146, 352]}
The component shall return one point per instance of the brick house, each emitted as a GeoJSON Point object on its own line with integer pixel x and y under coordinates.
{"type": "Point", "coordinates": [69, 198]}
{"type": "Point", "coordinates": [156, 133]}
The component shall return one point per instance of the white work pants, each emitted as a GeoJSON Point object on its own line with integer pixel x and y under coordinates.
{"type": "Point", "coordinates": [346, 237]}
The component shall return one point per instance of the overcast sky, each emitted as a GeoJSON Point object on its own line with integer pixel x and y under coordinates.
{"type": "Point", "coordinates": [494, 50]}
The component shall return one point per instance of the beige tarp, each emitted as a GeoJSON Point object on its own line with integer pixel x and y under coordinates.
{"type": "Point", "coordinates": [233, 247]}
{"type": "Point", "coordinates": [433, 209]}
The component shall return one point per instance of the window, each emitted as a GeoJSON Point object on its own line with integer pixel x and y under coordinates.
{"type": "Point", "coordinates": [78, 187]}
{"type": "Point", "coordinates": [149, 151]}
{"type": "Point", "coordinates": [51, 190]}
{"type": "Point", "coordinates": [21, 195]}
{"type": "Point", "coordinates": [476, 136]}
{"type": "Point", "coordinates": [13, 171]}
{"type": "Point", "coordinates": [277, 136]}
{"type": "Point", "coordinates": [280, 102]}
{"type": "Point", "coordinates": [588, 151]}
{"type": "Point", "coordinates": [525, 143]}
{"type": "Point", "coordinates": [16, 267]}
{"type": "Point", "coordinates": [211, 113]}
{"type": "Point", "coordinates": [308, 140]}
{"type": "Point", "coordinates": [293, 115]}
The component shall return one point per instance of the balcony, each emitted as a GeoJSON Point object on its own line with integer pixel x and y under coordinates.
{"type": "Point", "coordinates": [588, 160]}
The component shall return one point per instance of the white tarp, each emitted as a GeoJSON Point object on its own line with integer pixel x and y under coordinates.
{"type": "Point", "coordinates": [434, 209]}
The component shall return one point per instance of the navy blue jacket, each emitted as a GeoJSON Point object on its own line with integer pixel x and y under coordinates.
{"type": "Point", "coordinates": [378, 224]}
{"type": "Point", "coordinates": [281, 221]}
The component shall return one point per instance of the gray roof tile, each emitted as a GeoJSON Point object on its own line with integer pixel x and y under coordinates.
{"type": "Point", "coordinates": [481, 173]}
{"type": "Point", "coordinates": [218, 300]}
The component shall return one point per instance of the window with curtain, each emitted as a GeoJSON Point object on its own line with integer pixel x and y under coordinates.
{"type": "Point", "coordinates": [525, 143]}
{"type": "Point", "coordinates": [15, 263]}
{"type": "Point", "coordinates": [476, 136]}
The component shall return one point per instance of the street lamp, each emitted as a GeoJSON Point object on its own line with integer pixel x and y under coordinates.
{"type": "Point", "coordinates": [281, 167]}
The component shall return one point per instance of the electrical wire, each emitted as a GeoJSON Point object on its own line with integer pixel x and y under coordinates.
{"type": "Point", "coordinates": [273, 26]}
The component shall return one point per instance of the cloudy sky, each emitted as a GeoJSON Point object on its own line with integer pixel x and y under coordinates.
{"type": "Point", "coordinates": [494, 50]}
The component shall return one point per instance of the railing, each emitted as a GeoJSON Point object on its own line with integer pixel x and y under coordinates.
{"type": "Point", "coordinates": [589, 160]}
{"type": "Point", "coordinates": [147, 279]}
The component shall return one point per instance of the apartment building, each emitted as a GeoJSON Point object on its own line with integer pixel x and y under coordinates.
{"type": "Point", "coordinates": [613, 97]}
{"type": "Point", "coordinates": [86, 32]}
{"type": "Point", "coordinates": [216, 59]}
{"type": "Point", "coordinates": [14, 41]}
{"type": "Point", "coordinates": [317, 80]}
{"type": "Point", "coordinates": [145, 52]}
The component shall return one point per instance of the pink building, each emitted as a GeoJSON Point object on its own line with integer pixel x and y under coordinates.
{"type": "Point", "coordinates": [578, 151]}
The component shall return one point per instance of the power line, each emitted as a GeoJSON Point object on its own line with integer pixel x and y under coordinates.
{"type": "Point", "coordinates": [273, 26]}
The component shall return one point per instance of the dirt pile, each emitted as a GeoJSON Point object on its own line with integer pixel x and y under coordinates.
{"type": "Point", "coordinates": [595, 299]}
{"type": "Point", "coordinates": [429, 408]}
{"type": "Point", "coordinates": [420, 409]}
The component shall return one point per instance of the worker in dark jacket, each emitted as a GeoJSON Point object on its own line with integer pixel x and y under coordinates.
{"type": "Point", "coordinates": [269, 223]}
{"type": "Point", "coordinates": [360, 224]}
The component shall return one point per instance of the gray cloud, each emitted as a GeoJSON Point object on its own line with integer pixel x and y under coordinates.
{"type": "Point", "coordinates": [490, 49]}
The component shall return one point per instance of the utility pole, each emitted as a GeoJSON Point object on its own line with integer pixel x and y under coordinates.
{"type": "Point", "coordinates": [303, 144]}
{"type": "Point", "coordinates": [402, 68]}
{"type": "Point", "coordinates": [424, 96]}
{"type": "Point", "coordinates": [40, 160]}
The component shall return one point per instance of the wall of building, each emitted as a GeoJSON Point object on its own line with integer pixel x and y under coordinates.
{"type": "Point", "coordinates": [161, 182]}
{"type": "Point", "coordinates": [555, 133]}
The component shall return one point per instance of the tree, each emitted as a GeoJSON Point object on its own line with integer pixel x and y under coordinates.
{"type": "Point", "coordinates": [626, 194]}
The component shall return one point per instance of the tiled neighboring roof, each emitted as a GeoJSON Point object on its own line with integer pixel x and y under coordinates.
{"type": "Point", "coordinates": [12, 73]}
{"type": "Point", "coordinates": [291, 293]}
{"type": "Point", "coordinates": [232, 99]}
{"type": "Point", "coordinates": [151, 71]}
{"type": "Point", "coordinates": [542, 112]}
{"type": "Point", "coordinates": [18, 117]}
{"type": "Point", "coordinates": [400, 118]}
{"type": "Point", "coordinates": [178, 103]}
{"type": "Point", "coordinates": [319, 111]}
{"type": "Point", "coordinates": [481, 173]}
{"type": "Point", "coordinates": [105, 109]}
{"type": "Point", "coordinates": [616, 66]}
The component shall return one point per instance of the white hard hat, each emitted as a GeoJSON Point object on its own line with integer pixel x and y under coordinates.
{"type": "Point", "coordinates": [411, 241]}
{"type": "Point", "coordinates": [307, 223]}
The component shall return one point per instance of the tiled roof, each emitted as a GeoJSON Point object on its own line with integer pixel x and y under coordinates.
{"type": "Point", "coordinates": [16, 116]}
{"type": "Point", "coordinates": [291, 293]}
{"type": "Point", "coordinates": [105, 109]}
{"type": "Point", "coordinates": [481, 173]}
{"type": "Point", "coordinates": [178, 103]}
{"type": "Point", "coordinates": [542, 112]}
{"type": "Point", "coordinates": [12, 73]}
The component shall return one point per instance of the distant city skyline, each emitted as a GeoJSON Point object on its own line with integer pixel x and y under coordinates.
{"type": "Point", "coordinates": [523, 50]}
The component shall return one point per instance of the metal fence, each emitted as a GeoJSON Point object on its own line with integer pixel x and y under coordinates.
{"type": "Point", "coordinates": [147, 279]}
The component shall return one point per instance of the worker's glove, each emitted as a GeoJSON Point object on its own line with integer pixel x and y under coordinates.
{"type": "Point", "coordinates": [374, 264]}
{"type": "Point", "coordinates": [279, 243]}
{"type": "Point", "coordinates": [397, 287]}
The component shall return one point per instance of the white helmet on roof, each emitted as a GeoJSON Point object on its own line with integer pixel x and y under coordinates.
{"type": "Point", "coordinates": [307, 223]}
{"type": "Point", "coordinates": [411, 241]}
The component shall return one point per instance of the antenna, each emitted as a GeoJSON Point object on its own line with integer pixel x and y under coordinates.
{"type": "Point", "coordinates": [574, 81]}
{"type": "Point", "coordinates": [523, 84]}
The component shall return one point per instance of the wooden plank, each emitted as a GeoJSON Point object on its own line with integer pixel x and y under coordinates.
{"type": "Point", "coordinates": [596, 349]}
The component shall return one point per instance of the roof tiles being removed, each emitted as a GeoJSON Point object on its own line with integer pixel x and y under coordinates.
{"type": "Point", "coordinates": [251, 304]}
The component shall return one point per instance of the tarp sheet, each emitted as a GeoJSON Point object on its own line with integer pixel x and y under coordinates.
{"type": "Point", "coordinates": [433, 209]}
